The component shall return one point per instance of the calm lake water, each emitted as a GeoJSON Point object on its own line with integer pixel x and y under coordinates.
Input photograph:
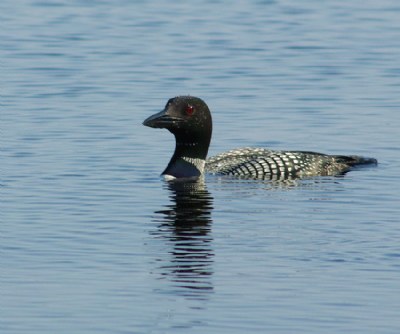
{"type": "Point", "coordinates": [92, 241]}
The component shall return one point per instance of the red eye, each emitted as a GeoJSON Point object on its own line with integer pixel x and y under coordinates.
{"type": "Point", "coordinates": [190, 110]}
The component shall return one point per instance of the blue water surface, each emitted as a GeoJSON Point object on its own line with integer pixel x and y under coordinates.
{"type": "Point", "coordinates": [92, 241]}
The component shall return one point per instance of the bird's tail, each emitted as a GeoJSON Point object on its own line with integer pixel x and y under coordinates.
{"type": "Point", "coordinates": [355, 160]}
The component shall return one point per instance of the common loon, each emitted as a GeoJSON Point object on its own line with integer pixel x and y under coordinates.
{"type": "Point", "coordinates": [189, 119]}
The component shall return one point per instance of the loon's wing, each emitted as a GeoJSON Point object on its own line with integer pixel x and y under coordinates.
{"type": "Point", "coordinates": [267, 164]}
{"type": "Point", "coordinates": [255, 163]}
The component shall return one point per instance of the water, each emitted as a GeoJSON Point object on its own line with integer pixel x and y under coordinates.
{"type": "Point", "coordinates": [93, 242]}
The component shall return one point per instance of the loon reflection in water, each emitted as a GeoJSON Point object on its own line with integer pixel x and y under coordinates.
{"type": "Point", "coordinates": [189, 119]}
{"type": "Point", "coordinates": [186, 224]}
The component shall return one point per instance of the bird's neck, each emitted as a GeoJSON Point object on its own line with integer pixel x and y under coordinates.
{"type": "Point", "coordinates": [188, 160]}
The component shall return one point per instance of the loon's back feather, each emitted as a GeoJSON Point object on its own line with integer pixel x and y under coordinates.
{"type": "Point", "coordinates": [264, 163]}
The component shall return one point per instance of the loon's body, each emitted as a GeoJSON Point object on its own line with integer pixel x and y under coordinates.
{"type": "Point", "coordinates": [189, 119]}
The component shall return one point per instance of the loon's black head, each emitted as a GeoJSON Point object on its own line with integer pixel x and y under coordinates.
{"type": "Point", "coordinates": [189, 119]}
